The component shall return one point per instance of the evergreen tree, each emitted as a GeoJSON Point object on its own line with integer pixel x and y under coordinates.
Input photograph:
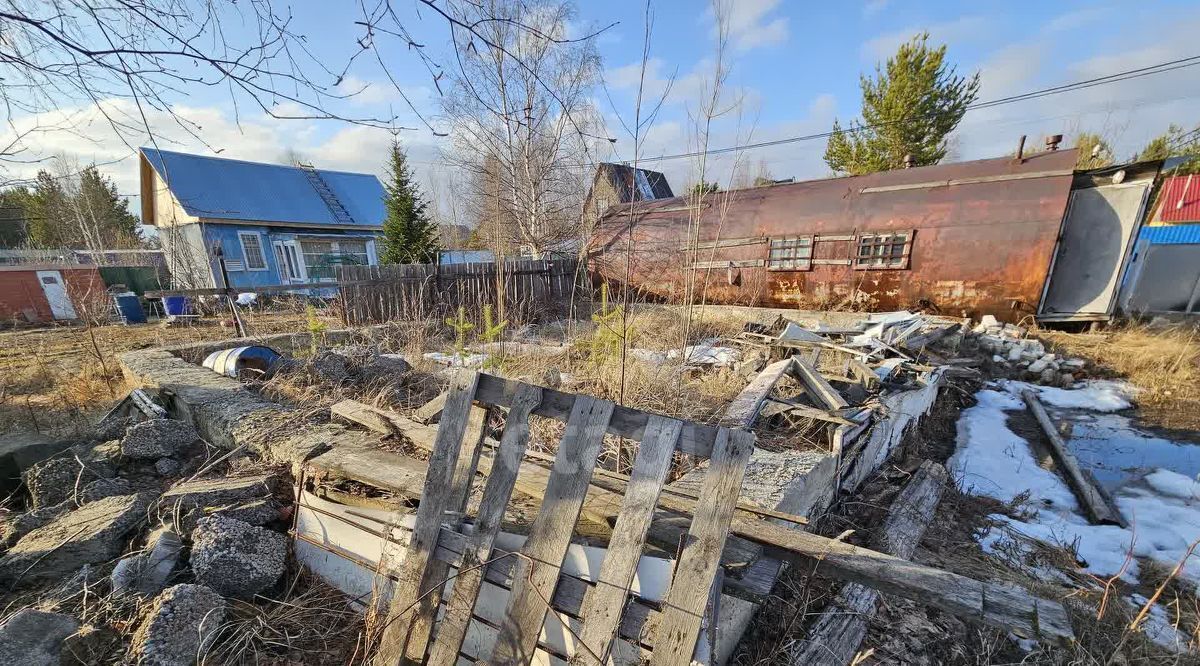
{"type": "Point", "coordinates": [16, 204]}
{"type": "Point", "coordinates": [909, 107]}
{"type": "Point", "coordinates": [1175, 142]}
{"type": "Point", "coordinates": [83, 211]}
{"type": "Point", "coordinates": [409, 235]}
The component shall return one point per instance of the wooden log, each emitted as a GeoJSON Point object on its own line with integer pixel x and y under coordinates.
{"type": "Point", "coordinates": [1003, 606]}
{"type": "Point", "coordinates": [1090, 497]}
{"type": "Point", "coordinates": [835, 636]}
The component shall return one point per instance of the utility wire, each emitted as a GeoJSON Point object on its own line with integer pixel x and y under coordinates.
{"type": "Point", "coordinates": [1044, 92]}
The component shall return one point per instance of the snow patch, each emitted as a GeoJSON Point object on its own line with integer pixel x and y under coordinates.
{"type": "Point", "coordinates": [1099, 395]}
{"type": "Point", "coordinates": [704, 354]}
{"type": "Point", "coordinates": [457, 360]}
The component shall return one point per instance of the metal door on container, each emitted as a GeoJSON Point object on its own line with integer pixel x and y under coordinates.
{"type": "Point", "coordinates": [56, 294]}
{"type": "Point", "coordinates": [1091, 251]}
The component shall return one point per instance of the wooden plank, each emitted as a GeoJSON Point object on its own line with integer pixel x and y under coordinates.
{"type": "Point", "coordinates": [743, 411]}
{"type": "Point", "coordinates": [410, 614]}
{"type": "Point", "coordinates": [816, 384]}
{"type": "Point", "coordinates": [697, 438]}
{"type": "Point", "coordinates": [1089, 495]}
{"type": "Point", "coordinates": [729, 242]}
{"type": "Point", "coordinates": [603, 497]}
{"type": "Point", "coordinates": [501, 479]}
{"type": "Point", "coordinates": [430, 411]}
{"type": "Point", "coordinates": [604, 603]}
{"type": "Point", "coordinates": [537, 570]}
{"type": "Point", "coordinates": [728, 263]}
{"type": "Point", "coordinates": [468, 458]}
{"type": "Point", "coordinates": [834, 637]}
{"type": "Point", "coordinates": [775, 406]}
{"type": "Point", "coordinates": [864, 373]}
{"type": "Point", "coordinates": [701, 554]}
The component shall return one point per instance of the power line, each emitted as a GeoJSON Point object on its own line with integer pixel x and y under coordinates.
{"type": "Point", "coordinates": [1044, 92]}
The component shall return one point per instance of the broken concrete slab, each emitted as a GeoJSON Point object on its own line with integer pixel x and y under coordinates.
{"type": "Point", "coordinates": [179, 625]}
{"type": "Point", "coordinates": [101, 488]}
{"type": "Point", "coordinates": [20, 451]}
{"type": "Point", "coordinates": [236, 558]}
{"type": "Point", "coordinates": [54, 481]}
{"type": "Point", "coordinates": [167, 466]}
{"type": "Point", "coordinates": [147, 572]}
{"type": "Point", "coordinates": [34, 638]}
{"type": "Point", "coordinates": [112, 428]}
{"type": "Point", "coordinates": [191, 498]}
{"type": "Point", "coordinates": [18, 525]}
{"type": "Point", "coordinates": [158, 438]}
{"type": "Point", "coordinates": [93, 533]}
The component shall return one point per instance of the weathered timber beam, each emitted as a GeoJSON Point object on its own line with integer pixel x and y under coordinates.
{"type": "Point", "coordinates": [1089, 495]}
{"type": "Point", "coordinates": [817, 386]}
{"type": "Point", "coordinates": [835, 636]}
{"type": "Point", "coordinates": [743, 411]}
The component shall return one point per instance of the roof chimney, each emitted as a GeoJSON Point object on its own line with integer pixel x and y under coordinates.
{"type": "Point", "coordinates": [909, 161]}
{"type": "Point", "coordinates": [1021, 150]}
{"type": "Point", "coordinates": [1052, 141]}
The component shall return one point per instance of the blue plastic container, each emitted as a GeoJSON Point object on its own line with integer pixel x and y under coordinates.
{"type": "Point", "coordinates": [130, 307]}
{"type": "Point", "coordinates": [175, 305]}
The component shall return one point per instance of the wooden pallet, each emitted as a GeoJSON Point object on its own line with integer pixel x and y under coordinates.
{"type": "Point", "coordinates": [414, 634]}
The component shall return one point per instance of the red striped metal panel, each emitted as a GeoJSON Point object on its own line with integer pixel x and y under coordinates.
{"type": "Point", "coordinates": [1179, 200]}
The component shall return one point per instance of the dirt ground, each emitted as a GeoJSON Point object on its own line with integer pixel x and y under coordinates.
{"type": "Point", "coordinates": [56, 379]}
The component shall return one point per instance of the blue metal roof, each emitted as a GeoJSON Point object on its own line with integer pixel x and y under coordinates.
{"type": "Point", "coordinates": [1172, 234]}
{"type": "Point", "coordinates": [237, 190]}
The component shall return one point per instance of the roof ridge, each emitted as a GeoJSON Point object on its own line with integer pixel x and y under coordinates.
{"type": "Point", "coordinates": [252, 162]}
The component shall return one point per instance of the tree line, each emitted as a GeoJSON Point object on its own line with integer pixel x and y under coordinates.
{"type": "Point", "coordinates": [70, 209]}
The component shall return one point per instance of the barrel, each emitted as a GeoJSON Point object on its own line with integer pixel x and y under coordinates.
{"type": "Point", "coordinates": [252, 362]}
{"type": "Point", "coordinates": [130, 307]}
{"type": "Point", "coordinates": [175, 305]}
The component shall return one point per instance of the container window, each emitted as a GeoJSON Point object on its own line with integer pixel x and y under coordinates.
{"type": "Point", "coordinates": [883, 251]}
{"type": "Point", "coordinates": [791, 254]}
{"type": "Point", "coordinates": [252, 251]}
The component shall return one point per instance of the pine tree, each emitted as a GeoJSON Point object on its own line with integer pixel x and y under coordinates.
{"type": "Point", "coordinates": [1175, 142]}
{"type": "Point", "coordinates": [909, 107]}
{"type": "Point", "coordinates": [1094, 151]}
{"type": "Point", "coordinates": [409, 235]}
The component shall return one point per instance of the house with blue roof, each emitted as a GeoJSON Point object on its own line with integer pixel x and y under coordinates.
{"type": "Point", "coordinates": [274, 224]}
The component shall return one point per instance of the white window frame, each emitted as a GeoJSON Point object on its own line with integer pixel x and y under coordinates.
{"type": "Point", "coordinates": [262, 253]}
{"type": "Point", "coordinates": [336, 248]}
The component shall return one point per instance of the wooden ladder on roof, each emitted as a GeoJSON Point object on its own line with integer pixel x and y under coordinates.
{"type": "Point", "coordinates": [533, 572]}
{"type": "Point", "coordinates": [327, 195]}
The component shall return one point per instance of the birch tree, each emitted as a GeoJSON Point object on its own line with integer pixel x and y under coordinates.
{"type": "Point", "coordinates": [521, 120]}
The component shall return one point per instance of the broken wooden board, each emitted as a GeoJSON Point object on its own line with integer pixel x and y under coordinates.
{"type": "Point", "coordinates": [1098, 509]}
{"type": "Point", "coordinates": [816, 385]}
{"type": "Point", "coordinates": [834, 638]}
{"type": "Point", "coordinates": [431, 411]}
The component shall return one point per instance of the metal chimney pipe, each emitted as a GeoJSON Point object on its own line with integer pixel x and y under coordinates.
{"type": "Point", "coordinates": [1021, 149]}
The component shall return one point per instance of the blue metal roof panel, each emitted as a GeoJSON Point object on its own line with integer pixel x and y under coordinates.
{"type": "Point", "coordinates": [253, 191]}
{"type": "Point", "coordinates": [1174, 234]}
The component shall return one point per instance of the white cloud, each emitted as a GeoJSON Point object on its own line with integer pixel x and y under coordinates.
{"type": "Point", "coordinates": [1076, 19]}
{"type": "Point", "coordinates": [750, 25]}
{"type": "Point", "coordinates": [962, 29]}
{"type": "Point", "coordinates": [874, 7]}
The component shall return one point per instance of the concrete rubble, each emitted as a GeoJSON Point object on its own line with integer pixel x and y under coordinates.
{"type": "Point", "coordinates": [146, 573]}
{"type": "Point", "coordinates": [158, 438]}
{"type": "Point", "coordinates": [236, 558]}
{"type": "Point", "coordinates": [178, 625]}
{"type": "Point", "coordinates": [245, 498]}
{"type": "Point", "coordinates": [34, 638]}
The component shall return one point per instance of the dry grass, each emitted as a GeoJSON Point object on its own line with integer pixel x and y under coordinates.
{"type": "Point", "coordinates": [1163, 362]}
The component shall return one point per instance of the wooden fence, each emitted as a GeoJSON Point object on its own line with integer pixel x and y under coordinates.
{"type": "Point", "coordinates": [532, 289]}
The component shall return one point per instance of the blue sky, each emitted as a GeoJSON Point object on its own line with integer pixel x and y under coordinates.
{"type": "Point", "coordinates": [794, 66]}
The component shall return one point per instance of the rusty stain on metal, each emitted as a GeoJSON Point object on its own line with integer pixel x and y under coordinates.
{"type": "Point", "coordinates": [976, 248]}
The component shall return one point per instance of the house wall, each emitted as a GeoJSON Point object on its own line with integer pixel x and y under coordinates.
{"type": "Point", "coordinates": [978, 244]}
{"type": "Point", "coordinates": [21, 293]}
{"type": "Point", "coordinates": [227, 235]}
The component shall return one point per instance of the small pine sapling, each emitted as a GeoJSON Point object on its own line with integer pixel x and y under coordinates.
{"type": "Point", "coordinates": [606, 341]}
{"type": "Point", "coordinates": [315, 326]}
{"type": "Point", "coordinates": [491, 333]}
{"type": "Point", "coordinates": [461, 327]}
